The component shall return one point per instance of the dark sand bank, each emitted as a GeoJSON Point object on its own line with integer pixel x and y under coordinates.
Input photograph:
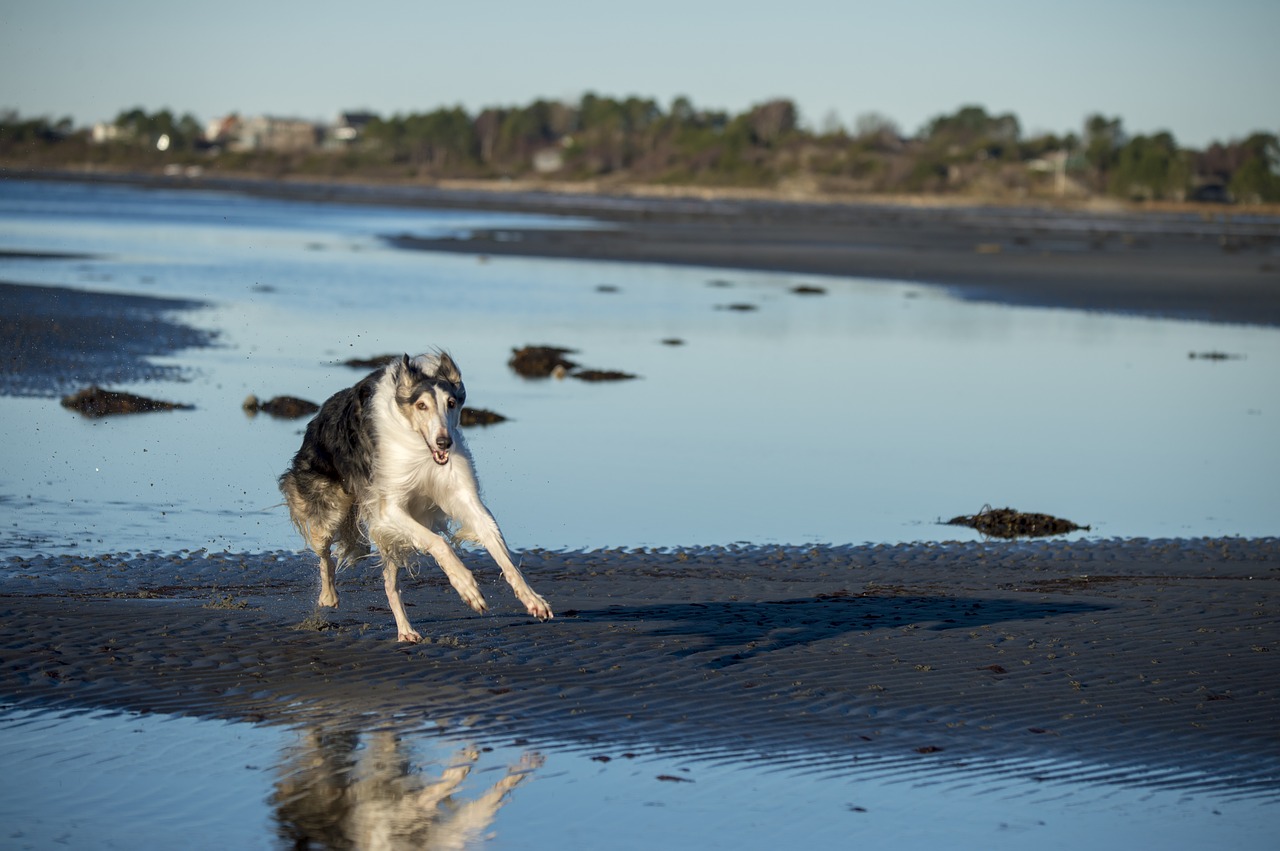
{"type": "Point", "coordinates": [1046, 260]}
{"type": "Point", "coordinates": [59, 339]}
{"type": "Point", "coordinates": [1144, 662]}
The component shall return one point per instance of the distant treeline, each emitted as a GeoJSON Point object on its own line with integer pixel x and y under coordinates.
{"type": "Point", "coordinates": [636, 141]}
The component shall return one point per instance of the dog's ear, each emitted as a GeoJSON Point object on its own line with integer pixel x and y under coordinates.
{"type": "Point", "coordinates": [448, 370]}
{"type": "Point", "coordinates": [404, 369]}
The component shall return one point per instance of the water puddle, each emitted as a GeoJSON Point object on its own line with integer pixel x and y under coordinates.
{"type": "Point", "coordinates": [873, 412]}
{"type": "Point", "coordinates": [128, 780]}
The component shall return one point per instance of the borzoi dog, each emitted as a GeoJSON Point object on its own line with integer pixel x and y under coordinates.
{"type": "Point", "coordinates": [383, 462]}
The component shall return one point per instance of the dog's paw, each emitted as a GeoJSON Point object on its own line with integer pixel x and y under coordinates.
{"type": "Point", "coordinates": [538, 607]}
{"type": "Point", "coordinates": [476, 602]}
{"type": "Point", "coordinates": [329, 601]}
{"type": "Point", "coordinates": [410, 637]}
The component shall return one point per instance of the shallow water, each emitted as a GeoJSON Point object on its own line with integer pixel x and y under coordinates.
{"type": "Point", "coordinates": [862, 415]}
{"type": "Point", "coordinates": [866, 414]}
{"type": "Point", "coordinates": [122, 780]}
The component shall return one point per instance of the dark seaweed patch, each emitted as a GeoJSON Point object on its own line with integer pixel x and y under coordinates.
{"type": "Point", "coordinates": [480, 417]}
{"type": "Point", "coordinates": [1215, 356]}
{"type": "Point", "coordinates": [96, 402]}
{"type": "Point", "coordinates": [1008, 523]}
{"type": "Point", "coordinates": [374, 362]}
{"type": "Point", "coordinates": [540, 361]}
{"type": "Point", "coordinates": [602, 375]}
{"type": "Point", "coordinates": [281, 407]}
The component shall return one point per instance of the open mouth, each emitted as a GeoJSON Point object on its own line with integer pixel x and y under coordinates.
{"type": "Point", "coordinates": [441, 456]}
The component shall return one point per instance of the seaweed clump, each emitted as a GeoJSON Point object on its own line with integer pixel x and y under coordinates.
{"type": "Point", "coordinates": [480, 417]}
{"type": "Point", "coordinates": [95, 402]}
{"type": "Point", "coordinates": [280, 407]}
{"type": "Point", "coordinates": [1008, 523]}
{"type": "Point", "coordinates": [602, 375]}
{"type": "Point", "coordinates": [546, 361]}
{"type": "Point", "coordinates": [375, 362]}
{"type": "Point", "coordinates": [541, 361]}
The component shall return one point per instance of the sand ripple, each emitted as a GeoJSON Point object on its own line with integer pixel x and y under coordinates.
{"type": "Point", "coordinates": [1144, 662]}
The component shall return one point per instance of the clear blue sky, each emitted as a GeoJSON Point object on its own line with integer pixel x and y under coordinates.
{"type": "Point", "coordinates": [1202, 70]}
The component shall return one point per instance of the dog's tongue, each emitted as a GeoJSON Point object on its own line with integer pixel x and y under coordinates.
{"type": "Point", "coordinates": [441, 456]}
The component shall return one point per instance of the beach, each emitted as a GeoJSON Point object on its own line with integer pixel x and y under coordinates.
{"type": "Point", "coordinates": [1204, 262]}
{"type": "Point", "coordinates": [1146, 658]}
{"type": "Point", "coordinates": [1192, 267]}
{"type": "Point", "coordinates": [1148, 663]}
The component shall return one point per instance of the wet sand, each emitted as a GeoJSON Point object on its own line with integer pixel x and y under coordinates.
{"type": "Point", "coordinates": [1144, 662]}
{"type": "Point", "coordinates": [59, 339]}
{"type": "Point", "coordinates": [1134, 265]}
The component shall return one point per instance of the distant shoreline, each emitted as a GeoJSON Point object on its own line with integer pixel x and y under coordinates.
{"type": "Point", "coordinates": [1197, 263]}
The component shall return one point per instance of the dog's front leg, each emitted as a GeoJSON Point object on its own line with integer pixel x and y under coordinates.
{"type": "Point", "coordinates": [532, 600]}
{"type": "Point", "coordinates": [391, 581]}
{"type": "Point", "coordinates": [400, 524]}
{"type": "Point", "coordinates": [477, 518]}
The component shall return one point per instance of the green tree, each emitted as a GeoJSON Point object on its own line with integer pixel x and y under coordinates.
{"type": "Point", "coordinates": [682, 112]}
{"type": "Point", "coordinates": [1103, 139]}
{"type": "Point", "coordinates": [1150, 167]}
{"type": "Point", "coordinates": [876, 131]}
{"type": "Point", "coordinates": [972, 129]}
{"type": "Point", "coordinates": [16, 130]}
{"type": "Point", "coordinates": [1257, 180]}
{"type": "Point", "coordinates": [772, 121]}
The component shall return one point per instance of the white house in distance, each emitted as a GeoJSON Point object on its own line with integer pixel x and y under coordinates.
{"type": "Point", "coordinates": [290, 135]}
{"type": "Point", "coordinates": [104, 132]}
{"type": "Point", "coordinates": [263, 133]}
{"type": "Point", "coordinates": [267, 133]}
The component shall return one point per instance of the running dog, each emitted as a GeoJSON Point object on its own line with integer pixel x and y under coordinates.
{"type": "Point", "coordinates": [384, 463]}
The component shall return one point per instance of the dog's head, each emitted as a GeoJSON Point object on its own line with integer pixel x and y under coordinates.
{"type": "Point", "coordinates": [430, 395]}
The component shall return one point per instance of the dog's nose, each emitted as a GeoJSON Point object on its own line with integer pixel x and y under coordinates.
{"type": "Point", "coordinates": [444, 441]}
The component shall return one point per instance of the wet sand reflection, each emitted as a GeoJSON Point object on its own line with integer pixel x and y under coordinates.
{"type": "Point", "coordinates": [342, 789]}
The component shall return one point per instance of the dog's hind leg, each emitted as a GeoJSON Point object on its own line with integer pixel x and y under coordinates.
{"type": "Point", "coordinates": [321, 542]}
{"type": "Point", "coordinates": [321, 537]}
{"type": "Point", "coordinates": [318, 509]}
{"type": "Point", "coordinates": [328, 584]}
{"type": "Point", "coordinates": [351, 541]}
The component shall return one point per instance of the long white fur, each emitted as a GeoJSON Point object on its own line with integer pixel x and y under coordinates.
{"type": "Point", "coordinates": [411, 499]}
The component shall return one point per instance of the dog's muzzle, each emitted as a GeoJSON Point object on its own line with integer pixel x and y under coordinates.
{"type": "Point", "coordinates": [440, 454]}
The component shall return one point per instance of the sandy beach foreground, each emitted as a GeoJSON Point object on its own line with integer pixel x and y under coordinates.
{"type": "Point", "coordinates": [1145, 662]}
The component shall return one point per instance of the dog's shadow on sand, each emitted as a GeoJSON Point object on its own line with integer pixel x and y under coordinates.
{"type": "Point", "coordinates": [740, 631]}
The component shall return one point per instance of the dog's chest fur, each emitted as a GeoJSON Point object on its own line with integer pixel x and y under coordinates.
{"type": "Point", "coordinates": [403, 466]}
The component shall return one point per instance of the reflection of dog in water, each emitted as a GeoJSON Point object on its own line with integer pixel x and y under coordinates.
{"type": "Point", "coordinates": [384, 462]}
{"type": "Point", "coordinates": [339, 792]}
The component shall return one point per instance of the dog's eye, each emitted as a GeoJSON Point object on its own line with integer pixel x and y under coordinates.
{"type": "Point", "coordinates": [421, 406]}
{"type": "Point", "coordinates": [453, 403]}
